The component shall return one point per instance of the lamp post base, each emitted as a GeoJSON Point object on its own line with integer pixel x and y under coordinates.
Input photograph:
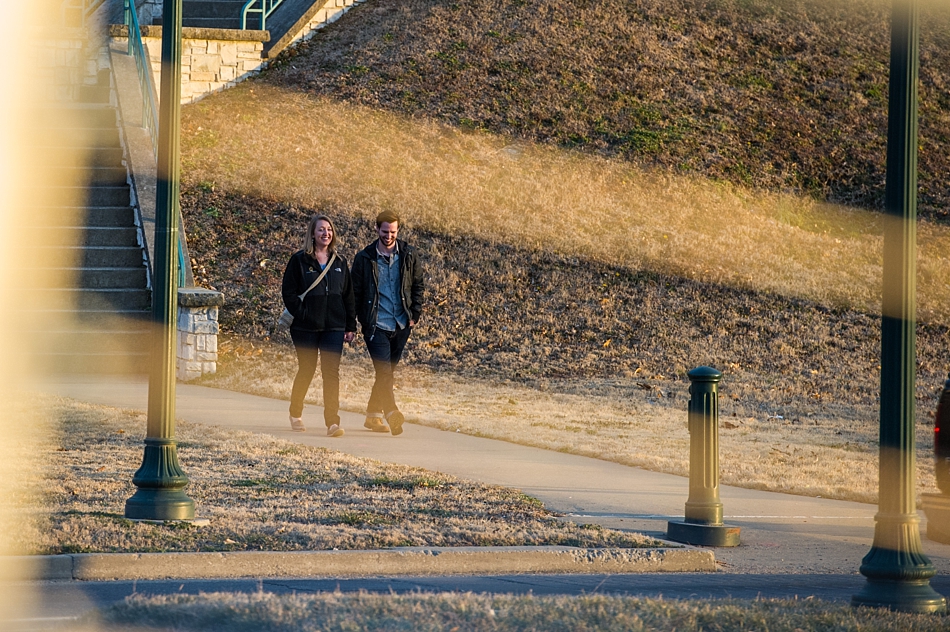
{"type": "Point", "coordinates": [702, 534]}
{"type": "Point", "coordinates": [161, 484]}
{"type": "Point", "coordinates": [900, 596]}
{"type": "Point", "coordinates": [159, 505]}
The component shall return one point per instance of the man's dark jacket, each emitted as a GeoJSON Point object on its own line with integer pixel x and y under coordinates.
{"type": "Point", "coordinates": [366, 283]}
{"type": "Point", "coordinates": [327, 307]}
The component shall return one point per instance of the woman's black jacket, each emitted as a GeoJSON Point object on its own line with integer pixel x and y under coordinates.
{"type": "Point", "coordinates": [327, 307]}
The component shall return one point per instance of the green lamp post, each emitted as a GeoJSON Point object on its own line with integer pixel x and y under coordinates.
{"type": "Point", "coordinates": [897, 570]}
{"type": "Point", "coordinates": [160, 479]}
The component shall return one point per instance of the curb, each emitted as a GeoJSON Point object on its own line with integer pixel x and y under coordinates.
{"type": "Point", "coordinates": [402, 561]}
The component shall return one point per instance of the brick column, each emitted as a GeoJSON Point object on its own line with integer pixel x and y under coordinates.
{"type": "Point", "coordinates": [197, 332]}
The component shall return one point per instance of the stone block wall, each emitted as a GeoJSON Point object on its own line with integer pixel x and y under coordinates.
{"type": "Point", "coordinates": [197, 351]}
{"type": "Point", "coordinates": [211, 59]}
{"type": "Point", "coordinates": [64, 64]}
{"type": "Point", "coordinates": [215, 59]}
{"type": "Point", "coordinates": [209, 65]}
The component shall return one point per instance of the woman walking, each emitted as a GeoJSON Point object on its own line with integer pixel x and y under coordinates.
{"type": "Point", "coordinates": [324, 319]}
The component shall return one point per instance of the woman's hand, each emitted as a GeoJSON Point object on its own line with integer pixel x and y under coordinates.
{"type": "Point", "coordinates": [349, 336]}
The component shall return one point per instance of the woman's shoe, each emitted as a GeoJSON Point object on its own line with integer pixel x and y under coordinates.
{"type": "Point", "coordinates": [335, 431]}
{"type": "Point", "coordinates": [296, 424]}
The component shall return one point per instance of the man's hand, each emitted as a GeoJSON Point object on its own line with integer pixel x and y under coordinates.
{"type": "Point", "coordinates": [349, 336]}
{"type": "Point", "coordinates": [412, 323]}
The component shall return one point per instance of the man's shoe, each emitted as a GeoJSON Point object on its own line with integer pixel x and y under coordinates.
{"type": "Point", "coordinates": [376, 424]}
{"type": "Point", "coordinates": [335, 431]}
{"type": "Point", "coordinates": [396, 420]}
{"type": "Point", "coordinates": [296, 424]}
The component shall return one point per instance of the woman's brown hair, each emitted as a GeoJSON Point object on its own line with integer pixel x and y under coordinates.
{"type": "Point", "coordinates": [308, 238]}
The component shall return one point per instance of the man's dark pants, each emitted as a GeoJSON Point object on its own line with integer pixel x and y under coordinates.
{"type": "Point", "coordinates": [385, 348]}
{"type": "Point", "coordinates": [328, 345]}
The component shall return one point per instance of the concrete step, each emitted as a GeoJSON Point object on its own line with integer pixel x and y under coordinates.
{"type": "Point", "coordinates": [73, 299]}
{"type": "Point", "coordinates": [90, 137]}
{"type": "Point", "coordinates": [86, 176]}
{"type": "Point", "coordinates": [90, 340]}
{"type": "Point", "coordinates": [95, 94]}
{"type": "Point", "coordinates": [123, 257]}
{"type": "Point", "coordinates": [134, 277]}
{"type": "Point", "coordinates": [75, 236]}
{"type": "Point", "coordinates": [104, 195]}
{"type": "Point", "coordinates": [103, 216]}
{"type": "Point", "coordinates": [88, 257]}
{"type": "Point", "coordinates": [79, 116]}
{"type": "Point", "coordinates": [220, 23]}
{"type": "Point", "coordinates": [211, 9]}
{"type": "Point", "coordinates": [85, 156]}
{"type": "Point", "coordinates": [69, 318]}
{"type": "Point", "coordinates": [69, 341]}
{"type": "Point", "coordinates": [108, 277]}
{"type": "Point", "coordinates": [89, 196]}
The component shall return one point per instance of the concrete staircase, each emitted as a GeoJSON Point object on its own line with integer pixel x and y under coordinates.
{"type": "Point", "coordinates": [217, 14]}
{"type": "Point", "coordinates": [89, 280]}
{"type": "Point", "coordinates": [283, 23]}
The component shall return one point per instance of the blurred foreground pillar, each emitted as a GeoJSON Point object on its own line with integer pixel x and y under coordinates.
{"type": "Point", "coordinates": [160, 479]}
{"type": "Point", "coordinates": [897, 570]}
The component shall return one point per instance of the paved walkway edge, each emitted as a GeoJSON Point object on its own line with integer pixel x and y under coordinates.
{"type": "Point", "coordinates": [407, 561]}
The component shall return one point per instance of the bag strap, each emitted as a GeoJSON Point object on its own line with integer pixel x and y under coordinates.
{"type": "Point", "coordinates": [320, 278]}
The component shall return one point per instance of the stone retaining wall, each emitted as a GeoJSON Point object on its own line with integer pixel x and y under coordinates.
{"type": "Point", "coordinates": [197, 352]}
{"type": "Point", "coordinates": [215, 59]}
{"type": "Point", "coordinates": [211, 59]}
{"type": "Point", "coordinates": [66, 63]}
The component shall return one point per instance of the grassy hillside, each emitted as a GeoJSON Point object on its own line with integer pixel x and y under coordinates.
{"type": "Point", "coordinates": [777, 94]}
{"type": "Point", "coordinates": [615, 269]}
{"type": "Point", "coordinates": [557, 322]}
{"type": "Point", "coordinates": [586, 246]}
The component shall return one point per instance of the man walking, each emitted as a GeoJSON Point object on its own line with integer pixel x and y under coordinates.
{"type": "Point", "coordinates": [388, 286]}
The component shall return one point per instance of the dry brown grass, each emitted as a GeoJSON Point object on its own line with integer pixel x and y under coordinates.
{"type": "Point", "coordinates": [497, 613]}
{"type": "Point", "coordinates": [322, 153]}
{"type": "Point", "coordinates": [822, 455]}
{"type": "Point", "coordinates": [579, 287]}
{"type": "Point", "coordinates": [631, 323]}
{"type": "Point", "coordinates": [785, 95]}
{"type": "Point", "coordinates": [261, 493]}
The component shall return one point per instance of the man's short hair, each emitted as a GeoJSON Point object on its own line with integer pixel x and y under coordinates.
{"type": "Point", "coordinates": [387, 217]}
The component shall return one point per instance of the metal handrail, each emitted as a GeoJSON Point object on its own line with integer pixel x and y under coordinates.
{"type": "Point", "coordinates": [143, 65]}
{"type": "Point", "coordinates": [267, 7]}
{"type": "Point", "coordinates": [149, 100]}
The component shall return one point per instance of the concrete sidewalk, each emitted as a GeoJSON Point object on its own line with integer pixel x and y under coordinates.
{"type": "Point", "coordinates": [781, 534]}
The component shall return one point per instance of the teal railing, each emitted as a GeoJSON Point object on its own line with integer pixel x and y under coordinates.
{"type": "Point", "coordinates": [149, 100]}
{"type": "Point", "coordinates": [266, 8]}
{"type": "Point", "coordinates": [144, 67]}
